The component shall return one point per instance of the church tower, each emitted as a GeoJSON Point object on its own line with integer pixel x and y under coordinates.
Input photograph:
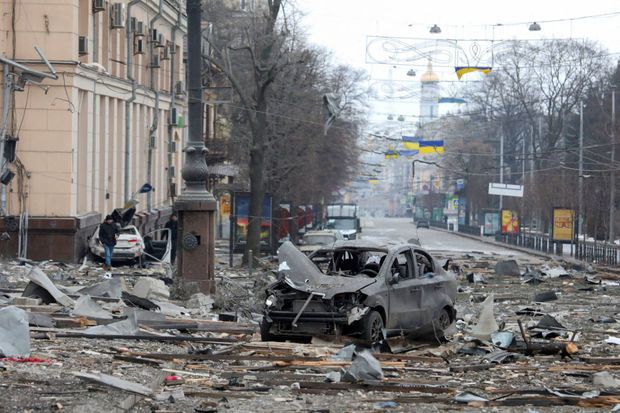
{"type": "Point", "coordinates": [429, 96]}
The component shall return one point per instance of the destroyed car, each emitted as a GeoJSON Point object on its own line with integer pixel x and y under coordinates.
{"type": "Point", "coordinates": [131, 246]}
{"type": "Point", "coordinates": [315, 240]}
{"type": "Point", "coordinates": [367, 290]}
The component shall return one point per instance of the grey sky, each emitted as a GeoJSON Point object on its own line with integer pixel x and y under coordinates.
{"type": "Point", "coordinates": [344, 25]}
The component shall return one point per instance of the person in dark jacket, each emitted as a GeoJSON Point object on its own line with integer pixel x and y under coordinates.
{"type": "Point", "coordinates": [173, 226]}
{"type": "Point", "coordinates": [108, 233]}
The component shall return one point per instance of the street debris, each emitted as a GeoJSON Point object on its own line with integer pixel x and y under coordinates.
{"type": "Point", "coordinates": [108, 349]}
{"type": "Point", "coordinates": [508, 267]}
{"type": "Point", "coordinates": [14, 332]}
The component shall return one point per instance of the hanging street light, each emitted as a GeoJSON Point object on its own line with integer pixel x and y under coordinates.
{"type": "Point", "coordinates": [534, 27]}
{"type": "Point", "coordinates": [435, 29]}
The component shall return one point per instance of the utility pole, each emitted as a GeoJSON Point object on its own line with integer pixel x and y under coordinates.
{"type": "Point", "coordinates": [580, 182]}
{"type": "Point", "coordinates": [501, 167]}
{"type": "Point", "coordinates": [196, 206]}
{"type": "Point", "coordinates": [612, 177]}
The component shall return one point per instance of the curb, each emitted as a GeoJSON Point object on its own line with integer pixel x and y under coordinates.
{"type": "Point", "coordinates": [508, 246]}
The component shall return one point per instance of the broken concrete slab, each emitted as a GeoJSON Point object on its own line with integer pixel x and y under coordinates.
{"type": "Point", "coordinates": [364, 367]}
{"type": "Point", "coordinates": [126, 327]}
{"type": "Point", "coordinates": [110, 288]}
{"type": "Point", "coordinates": [486, 321]}
{"type": "Point", "coordinates": [37, 276]}
{"type": "Point", "coordinates": [143, 315]}
{"type": "Point", "coordinates": [40, 320]}
{"type": "Point", "coordinates": [87, 307]}
{"type": "Point", "coordinates": [555, 272]}
{"type": "Point", "coordinates": [117, 383]}
{"type": "Point", "coordinates": [545, 296]}
{"type": "Point", "coordinates": [14, 332]}
{"type": "Point", "coordinates": [508, 267]}
{"type": "Point", "coordinates": [605, 380]}
{"type": "Point", "coordinates": [151, 288]}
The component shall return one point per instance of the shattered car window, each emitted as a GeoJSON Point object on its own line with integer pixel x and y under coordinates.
{"type": "Point", "coordinates": [354, 262]}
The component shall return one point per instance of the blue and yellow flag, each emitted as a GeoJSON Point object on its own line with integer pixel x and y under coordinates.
{"type": "Point", "coordinates": [463, 70]}
{"type": "Point", "coordinates": [391, 154]}
{"type": "Point", "coordinates": [408, 153]}
{"type": "Point", "coordinates": [431, 147]}
{"type": "Point", "coordinates": [411, 142]}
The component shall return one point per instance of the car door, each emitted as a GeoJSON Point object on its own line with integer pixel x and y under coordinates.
{"type": "Point", "coordinates": [156, 247]}
{"type": "Point", "coordinates": [405, 295]}
{"type": "Point", "coordinates": [432, 287]}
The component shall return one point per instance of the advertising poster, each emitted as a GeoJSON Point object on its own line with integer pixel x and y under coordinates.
{"type": "Point", "coordinates": [563, 224]}
{"type": "Point", "coordinates": [242, 211]}
{"type": "Point", "coordinates": [491, 223]}
{"type": "Point", "coordinates": [462, 211]}
{"type": "Point", "coordinates": [510, 222]}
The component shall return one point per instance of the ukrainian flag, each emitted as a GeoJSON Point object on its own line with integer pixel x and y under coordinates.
{"type": "Point", "coordinates": [408, 153]}
{"type": "Point", "coordinates": [411, 143]}
{"type": "Point", "coordinates": [391, 154]}
{"type": "Point", "coordinates": [431, 147]}
{"type": "Point", "coordinates": [463, 70]}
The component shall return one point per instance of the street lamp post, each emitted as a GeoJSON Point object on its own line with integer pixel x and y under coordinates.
{"type": "Point", "coordinates": [195, 206]}
{"type": "Point", "coordinates": [612, 177]}
{"type": "Point", "coordinates": [580, 181]}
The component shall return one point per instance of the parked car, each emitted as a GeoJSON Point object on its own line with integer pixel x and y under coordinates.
{"type": "Point", "coordinates": [315, 240]}
{"type": "Point", "coordinates": [131, 246]}
{"type": "Point", "coordinates": [365, 289]}
{"type": "Point", "coordinates": [422, 223]}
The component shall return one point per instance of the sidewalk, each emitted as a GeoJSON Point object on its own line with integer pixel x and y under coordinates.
{"type": "Point", "coordinates": [491, 241]}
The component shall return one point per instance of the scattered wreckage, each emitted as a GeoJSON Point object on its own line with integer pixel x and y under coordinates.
{"type": "Point", "coordinates": [368, 290]}
{"type": "Point", "coordinates": [131, 246]}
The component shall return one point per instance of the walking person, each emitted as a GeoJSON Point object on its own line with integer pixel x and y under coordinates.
{"type": "Point", "coordinates": [108, 234]}
{"type": "Point", "coordinates": [173, 226]}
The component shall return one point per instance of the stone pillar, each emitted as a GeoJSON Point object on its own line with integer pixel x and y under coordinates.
{"type": "Point", "coordinates": [195, 206]}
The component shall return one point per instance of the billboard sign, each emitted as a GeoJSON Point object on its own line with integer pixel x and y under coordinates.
{"type": "Point", "coordinates": [510, 222]}
{"type": "Point", "coordinates": [491, 223]}
{"type": "Point", "coordinates": [242, 212]}
{"type": "Point", "coordinates": [506, 190]}
{"type": "Point", "coordinates": [563, 225]}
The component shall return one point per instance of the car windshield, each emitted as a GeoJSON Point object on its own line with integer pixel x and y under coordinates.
{"type": "Point", "coordinates": [319, 239]}
{"type": "Point", "coordinates": [341, 223]}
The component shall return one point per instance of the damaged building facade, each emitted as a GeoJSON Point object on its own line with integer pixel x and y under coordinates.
{"type": "Point", "coordinates": [112, 121]}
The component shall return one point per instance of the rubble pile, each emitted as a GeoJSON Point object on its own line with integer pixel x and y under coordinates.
{"type": "Point", "coordinates": [545, 336]}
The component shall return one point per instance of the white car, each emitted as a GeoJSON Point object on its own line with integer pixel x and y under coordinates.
{"type": "Point", "coordinates": [131, 246]}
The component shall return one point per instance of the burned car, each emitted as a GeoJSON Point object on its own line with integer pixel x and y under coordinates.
{"type": "Point", "coordinates": [366, 290]}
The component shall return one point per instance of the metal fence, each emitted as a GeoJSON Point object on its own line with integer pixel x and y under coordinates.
{"type": "Point", "coordinates": [438, 224]}
{"type": "Point", "coordinates": [469, 229]}
{"type": "Point", "coordinates": [600, 253]}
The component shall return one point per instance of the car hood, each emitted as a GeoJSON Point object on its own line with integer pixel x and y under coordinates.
{"type": "Point", "coordinates": [301, 274]}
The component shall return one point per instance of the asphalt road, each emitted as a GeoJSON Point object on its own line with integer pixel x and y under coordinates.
{"type": "Point", "coordinates": [403, 230]}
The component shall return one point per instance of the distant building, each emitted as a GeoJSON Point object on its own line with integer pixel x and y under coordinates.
{"type": "Point", "coordinates": [429, 95]}
{"type": "Point", "coordinates": [113, 121]}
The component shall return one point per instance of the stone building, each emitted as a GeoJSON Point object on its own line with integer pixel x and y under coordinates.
{"type": "Point", "coordinates": [112, 121]}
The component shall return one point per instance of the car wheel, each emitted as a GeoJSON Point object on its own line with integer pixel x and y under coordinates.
{"type": "Point", "coordinates": [373, 328]}
{"type": "Point", "coordinates": [443, 320]}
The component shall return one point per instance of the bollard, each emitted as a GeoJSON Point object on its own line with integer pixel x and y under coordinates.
{"type": "Point", "coordinates": [250, 261]}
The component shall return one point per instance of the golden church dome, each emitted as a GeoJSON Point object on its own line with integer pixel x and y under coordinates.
{"type": "Point", "coordinates": [429, 76]}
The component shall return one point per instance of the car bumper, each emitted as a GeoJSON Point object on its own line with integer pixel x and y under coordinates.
{"type": "Point", "coordinates": [309, 317]}
{"type": "Point", "coordinates": [118, 254]}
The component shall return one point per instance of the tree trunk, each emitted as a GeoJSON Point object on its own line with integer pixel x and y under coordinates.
{"type": "Point", "coordinates": [257, 182]}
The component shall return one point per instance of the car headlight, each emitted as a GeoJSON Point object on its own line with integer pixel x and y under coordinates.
{"type": "Point", "coordinates": [270, 301]}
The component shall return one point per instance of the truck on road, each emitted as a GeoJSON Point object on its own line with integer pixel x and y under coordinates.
{"type": "Point", "coordinates": [343, 218]}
